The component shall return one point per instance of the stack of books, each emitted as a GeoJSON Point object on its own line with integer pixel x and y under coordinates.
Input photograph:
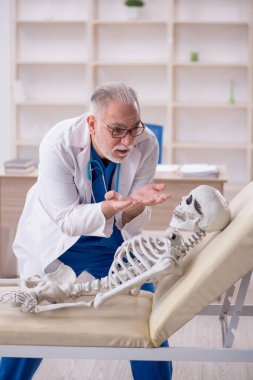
{"type": "Point", "coordinates": [199, 170]}
{"type": "Point", "coordinates": [19, 166]}
{"type": "Point", "coordinates": [170, 169]}
{"type": "Point", "coordinates": [165, 171]}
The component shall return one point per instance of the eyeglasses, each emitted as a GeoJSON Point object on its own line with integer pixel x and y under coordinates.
{"type": "Point", "coordinates": [122, 132]}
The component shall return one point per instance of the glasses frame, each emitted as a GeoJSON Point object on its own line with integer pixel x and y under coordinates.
{"type": "Point", "coordinates": [126, 131]}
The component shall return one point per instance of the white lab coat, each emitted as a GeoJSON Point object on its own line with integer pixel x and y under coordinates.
{"type": "Point", "coordinates": [58, 209]}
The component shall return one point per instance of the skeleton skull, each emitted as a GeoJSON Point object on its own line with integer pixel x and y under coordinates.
{"type": "Point", "coordinates": [203, 209]}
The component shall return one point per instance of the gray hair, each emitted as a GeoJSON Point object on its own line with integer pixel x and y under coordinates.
{"type": "Point", "coordinates": [112, 91]}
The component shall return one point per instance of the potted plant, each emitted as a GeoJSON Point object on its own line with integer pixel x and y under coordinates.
{"type": "Point", "coordinates": [133, 8]}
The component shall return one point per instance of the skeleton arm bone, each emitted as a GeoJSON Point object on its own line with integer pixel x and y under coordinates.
{"type": "Point", "coordinates": [164, 267]}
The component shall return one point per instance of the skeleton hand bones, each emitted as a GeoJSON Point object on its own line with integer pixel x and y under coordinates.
{"type": "Point", "coordinates": [144, 258]}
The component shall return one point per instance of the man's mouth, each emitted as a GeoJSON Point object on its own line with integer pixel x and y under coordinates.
{"type": "Point", "coordinates": [121, 152]}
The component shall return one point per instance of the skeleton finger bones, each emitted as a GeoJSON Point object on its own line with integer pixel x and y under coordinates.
{"type": "Point", "coordinates": [143, 258]}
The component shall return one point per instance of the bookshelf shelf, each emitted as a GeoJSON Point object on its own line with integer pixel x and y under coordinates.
{"type": "Point", "coordinates": [208, 145]}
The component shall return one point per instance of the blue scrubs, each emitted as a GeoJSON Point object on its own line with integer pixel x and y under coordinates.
{"type": "Point", "coordinates": [94, 255]}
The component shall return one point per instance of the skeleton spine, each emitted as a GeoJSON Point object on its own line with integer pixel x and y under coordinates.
{"type": "Point", "coordinates": [93, 287]}
{"type": "Point", "coordinates": [193, 240]}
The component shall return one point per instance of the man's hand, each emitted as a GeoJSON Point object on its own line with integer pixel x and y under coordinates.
{"type": "Point", "coordinates": [132, 206]}
{"type": "Point", "coordinates": [148, 195]}
{"type": "Point", "coordinates": [115, 202]}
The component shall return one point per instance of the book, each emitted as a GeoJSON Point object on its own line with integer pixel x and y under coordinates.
{"type": "Point", "coordinates": [19, 163]}
{"type": "Point", "coordinates": [168, 169]}
{"type": "Point", "coordinates": [27, 170]}
{"type": "Point", "coordinates": [199, 170]}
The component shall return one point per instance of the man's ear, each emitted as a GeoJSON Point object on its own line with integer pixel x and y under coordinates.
{"type": "Point", "coordinates": [91, 124]}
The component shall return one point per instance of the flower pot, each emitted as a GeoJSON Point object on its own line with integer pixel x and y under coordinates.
{"type": "Point", "coordinates": [133, 13]}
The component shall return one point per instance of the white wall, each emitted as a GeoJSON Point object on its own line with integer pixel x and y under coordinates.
{"type": "Point", "coordinates": [5, 80]}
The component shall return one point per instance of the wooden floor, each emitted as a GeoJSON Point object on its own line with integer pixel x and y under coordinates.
{"type": "Point", "coordinates": [201, 331]}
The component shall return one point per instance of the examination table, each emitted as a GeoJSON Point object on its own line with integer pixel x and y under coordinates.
{"type": "Point", "coordinates": [128, 327]}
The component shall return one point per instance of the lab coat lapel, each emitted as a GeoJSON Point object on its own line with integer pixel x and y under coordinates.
{"type": "Point", "coordinates": [128, 170]}
{"type": "Point", "coordinates": [83, 160]}
{"type": "Point", "coordinates": [81, 139]}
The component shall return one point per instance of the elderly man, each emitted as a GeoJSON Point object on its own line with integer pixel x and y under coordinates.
{"type": "Point", "coordinates": [93, 188]}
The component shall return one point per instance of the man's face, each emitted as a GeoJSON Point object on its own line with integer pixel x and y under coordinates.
{"type": "Point", "coordinates": [117, 116]}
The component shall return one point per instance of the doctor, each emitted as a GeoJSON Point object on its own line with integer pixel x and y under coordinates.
{"type": "Point", "coordinates": [93, 191]}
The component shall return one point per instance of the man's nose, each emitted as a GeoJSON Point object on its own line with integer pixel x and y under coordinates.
{"type": "Point", "coordinates": [128, 139]}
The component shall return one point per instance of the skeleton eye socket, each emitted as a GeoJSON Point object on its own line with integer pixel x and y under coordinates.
{"type": "Point", "coordinates": [197, 207]}
{"type": "Point", "coordinates": [189, 200]}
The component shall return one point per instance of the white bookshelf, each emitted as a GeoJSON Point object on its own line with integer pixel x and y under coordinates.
{"type": "Point", "coordinates": [63, 49]}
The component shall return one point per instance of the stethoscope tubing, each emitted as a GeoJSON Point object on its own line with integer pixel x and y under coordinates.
{"type": "Point", "coordinates": [99, 167]}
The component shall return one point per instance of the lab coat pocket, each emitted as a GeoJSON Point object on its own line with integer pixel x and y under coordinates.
{"type": "Point", "coordinates": [41, 224]}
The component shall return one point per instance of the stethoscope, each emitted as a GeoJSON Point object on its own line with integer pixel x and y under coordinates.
{"type": "Point", "coordinates": [89, 170]}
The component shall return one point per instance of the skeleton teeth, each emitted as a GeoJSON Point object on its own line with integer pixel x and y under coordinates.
{"type": "Point", "coordinates": [179, 216]}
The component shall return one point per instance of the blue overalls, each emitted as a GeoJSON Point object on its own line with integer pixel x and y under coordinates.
{"type": "Point", "coordinates": [94, 255]}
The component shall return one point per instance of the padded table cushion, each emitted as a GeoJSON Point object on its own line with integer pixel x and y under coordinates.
{"type": "Point", "coordinates": [121, 322]}
{"type": "Point", "coordinates": [209, 270]}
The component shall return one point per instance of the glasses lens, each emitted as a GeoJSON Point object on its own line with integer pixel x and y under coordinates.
{"type": "Point", "coordinates": [119, 132]}
{"type": "Point", "coordinates": [137, 131]}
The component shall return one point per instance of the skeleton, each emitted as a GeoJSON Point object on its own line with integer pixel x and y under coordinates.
{"type": "Point", "coordinates": [141, 259]}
